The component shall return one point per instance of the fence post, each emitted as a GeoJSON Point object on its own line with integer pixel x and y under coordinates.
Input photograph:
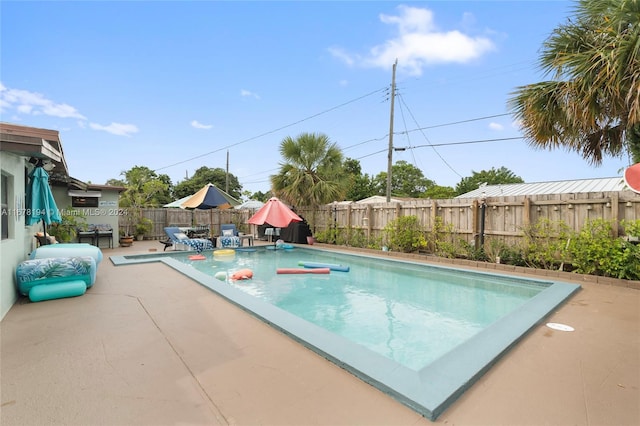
{"type": "Point", "coordinates": [483, 210]}
{"type": "Point", "coordinates": [526, 214]}
{"type": "Point", "coordinates": [615, 208]}
{"type": "Point", "coordinates": [434, 214]}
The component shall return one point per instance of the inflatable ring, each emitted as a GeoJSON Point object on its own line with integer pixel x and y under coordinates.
{"type": "Point", "coordinates": [242, 274]}
{"type": "Point", "coordinates": [225, 252]}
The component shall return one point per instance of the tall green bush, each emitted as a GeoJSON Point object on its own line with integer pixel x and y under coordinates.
{"type": "Point", "coordinates": [404, 234]}
{"type": "Point", "coordinates": [546, 244]}
{"type": "Point", "coordinates": [595, 251]}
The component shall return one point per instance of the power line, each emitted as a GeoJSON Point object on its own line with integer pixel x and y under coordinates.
{"type": "Point", "coordinates": [419, 146]}
{"type": "Point", "coordinates": [273, 131]}
{"type": "Point", "coordinates": [443, 144]}
{"type": "Point", "coordinates": [424, 128]}
{"type": "Point", "coordinates": [430, 144]}
{"type": "Point", "coordinates": [464, 142]}
{"type": "Point", "coordinates": [458, 122]}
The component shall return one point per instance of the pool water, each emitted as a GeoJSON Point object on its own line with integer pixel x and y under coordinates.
{"type": "Point", "coordinates": [407, 312]}
{"type": "Point", "coordinates": [421, 334]}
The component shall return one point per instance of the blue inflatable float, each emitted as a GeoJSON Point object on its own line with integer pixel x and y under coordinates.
{"type": "Point", "coordinates": [42, 292]}
{"type": "Point", "coordinates": [281, 247]}
{"type": "Point", "coordinates": [55, 277]}
{"type": "Point", "coordinates": [331, 266]}
{"type": "Point", "coordinates": [67, 250]}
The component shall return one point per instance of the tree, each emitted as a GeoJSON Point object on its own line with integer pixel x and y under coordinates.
{"type": "Point", "coordinates": [592, 104]}
{"type": "Point", "coordinates": [438, 192]}
{"type": "Point", "coordinates": [312, 173]}
{"type": "Point", "coordinates": [406, 181]}
{"type": "Point", "coordinates": [491, 177]}
{"type": "Point", "coordinates": [261, 196]}
{"type": "Point", "coordinates": [144, 188]}
{"type": "Point", "coordinates": [360, 186]}
{"type": "Point", "coordinates": [116, 182]}
{"type": "Point", "coordinates": [164, 197]}
{"type": "Point", "coordinates": [205, 175]}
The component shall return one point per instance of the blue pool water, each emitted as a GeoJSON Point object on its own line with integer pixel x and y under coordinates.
{"type": "Point", "coordinates": [422, 334]}
{"type": "Point", "coordinates": [409, 313]}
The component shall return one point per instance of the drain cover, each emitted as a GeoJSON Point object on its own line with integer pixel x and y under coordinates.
{"type": "Point", "coordinates": [560, 327]}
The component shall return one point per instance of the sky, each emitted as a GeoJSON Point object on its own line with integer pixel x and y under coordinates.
{"type": "Point", "coordinates": [175, 86]}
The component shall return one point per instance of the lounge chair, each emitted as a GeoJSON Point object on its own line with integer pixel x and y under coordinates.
{"type": "Point", "coordinates": [177, 237]}
{"type": "Point", "coordinates": [229, 237]}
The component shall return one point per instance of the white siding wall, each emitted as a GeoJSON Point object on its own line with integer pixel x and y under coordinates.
{"type": "Point", "coordinates": [16, 248]}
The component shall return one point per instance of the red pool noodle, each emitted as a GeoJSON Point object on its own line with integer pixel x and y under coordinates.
{"type": "Point", "coordinates": [302, 271]}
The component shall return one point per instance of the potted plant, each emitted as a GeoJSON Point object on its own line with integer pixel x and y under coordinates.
{"type": "Point", "coordinates": [144, 226]}
{"type": "Point", "coordinates": [126, 240]}
{"type": "Point", "coordinates": [67, 230]}
{"type": "Point", "coordinates": [126, 236]}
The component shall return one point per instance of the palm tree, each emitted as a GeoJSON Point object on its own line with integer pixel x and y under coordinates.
{"type": "Point", "coordinates": [312, 172]}
{"type": "Point", "coordinates": [592, 105]}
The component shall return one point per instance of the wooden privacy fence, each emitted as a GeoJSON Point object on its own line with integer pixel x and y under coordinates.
{"type": "Point", "coordinates": [504, 217]}
{"type": "Point", "coordinates": [162, 217]}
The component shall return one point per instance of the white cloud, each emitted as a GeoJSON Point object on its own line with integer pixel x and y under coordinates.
{"type": "Point", "coordinates": [249, 94]}
{"type": "Point", "coordinates": [341, 54]}
{"type": "Point", "coordinates": [496, 126]}
{"type": "Point", "coordinates": [32, 103]}
{"type": "Point", "coordinates": [116, 128]}
{"type": "Point", "coordinates": [198, 125]}
{"type": "Point", "coordinates": [419, 43]}
{"type": "Point", "coordinates": [24, 102]}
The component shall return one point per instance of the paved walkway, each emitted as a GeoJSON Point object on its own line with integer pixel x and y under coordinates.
{"type": "Point", "coordinates": [147, 346]}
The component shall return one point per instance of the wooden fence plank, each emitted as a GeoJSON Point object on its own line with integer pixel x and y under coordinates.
{"type": "Point", "coordinates": [505, 216]}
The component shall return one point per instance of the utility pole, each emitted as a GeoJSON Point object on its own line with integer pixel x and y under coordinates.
{"type": "Point", "coordinates": [226, 187]}
{"type": "Point", "coordinates": [390, 155]}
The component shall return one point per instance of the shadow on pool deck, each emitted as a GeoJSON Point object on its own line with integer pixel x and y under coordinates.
{"type": "Point", "coordinates": [146, 346]}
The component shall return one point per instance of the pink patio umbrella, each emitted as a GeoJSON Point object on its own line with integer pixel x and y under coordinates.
{"type": "Point", "coordinates": [275, 213]}
{"type": "Point", "coordinates": [632, 177]}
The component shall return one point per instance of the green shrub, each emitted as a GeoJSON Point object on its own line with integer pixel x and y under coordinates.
{"type": "Point", "coordinates": [631, 227]}
{"type": "Point", "coordinates": [469, 251]}
{"type": "Point", "coordinates": [546, 244]}
{"type": "Point", "coordinates": [509, 255]}
{"type": "Point", "coordinates": [67, 230]}
{"type": "Point", "coordinates": [144, 226]}
{"type": "Point", "coordinates": [326, 236]}
{"type": "Point", "coordinates": [356, 237]}
{"type": "Point", "coordinates": [443, 241]}
{"type": "Point", "coordinates": [595, 251]}
{"type": "Point", "coordinates": [404, 234]}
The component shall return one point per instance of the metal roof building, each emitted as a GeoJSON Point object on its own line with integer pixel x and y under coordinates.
{"type": "Point", "coordinates": [555, 187]}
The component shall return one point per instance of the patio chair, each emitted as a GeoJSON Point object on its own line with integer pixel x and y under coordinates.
{"type": "Point", "coordinates": [177, 237]}
{"type": "Point", "coordinates": [229, 237]}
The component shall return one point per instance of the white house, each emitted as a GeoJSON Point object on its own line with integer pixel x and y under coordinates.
{"type": "Point", "coordinates": [20, 149]}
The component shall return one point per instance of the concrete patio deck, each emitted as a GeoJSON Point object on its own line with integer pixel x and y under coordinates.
{"type": "Point", "coordinates": [147, 346]}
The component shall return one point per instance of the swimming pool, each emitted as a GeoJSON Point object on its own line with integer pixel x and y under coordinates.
{"type": "Point", "coordinates": [420, 333]}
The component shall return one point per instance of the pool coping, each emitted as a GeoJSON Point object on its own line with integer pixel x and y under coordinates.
{"type": "Point", "coordinates": [428, 391]}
